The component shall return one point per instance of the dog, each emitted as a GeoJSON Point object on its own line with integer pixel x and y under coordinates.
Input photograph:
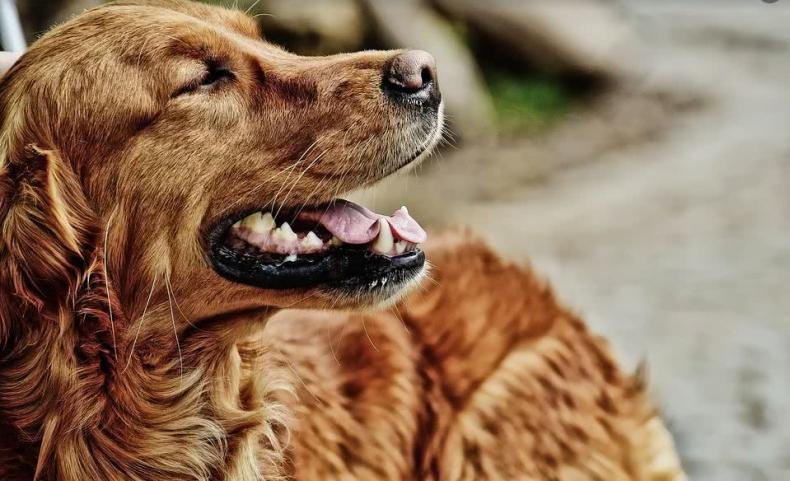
{"type": "Point", "coordinates": [183, 293]}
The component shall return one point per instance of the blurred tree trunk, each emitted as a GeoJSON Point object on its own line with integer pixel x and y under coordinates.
{"type": "Point", "coordinates": [570, 36]}
{"type": "Point", "coordinates": [311, 27]}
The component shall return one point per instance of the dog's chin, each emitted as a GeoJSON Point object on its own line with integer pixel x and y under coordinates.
{"type": "Point", "coordinates": [357, 295]}
{"type": "Point", "coordinates": [341, 277]}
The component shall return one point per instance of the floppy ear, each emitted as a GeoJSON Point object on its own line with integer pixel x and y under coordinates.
{"type": "Point", "coordinates": [47, 230]}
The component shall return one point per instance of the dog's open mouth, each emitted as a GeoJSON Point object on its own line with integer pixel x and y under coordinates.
{"type": "Point", "coordinates": [339, 245]}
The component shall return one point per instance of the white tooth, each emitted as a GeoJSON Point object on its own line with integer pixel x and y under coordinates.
{"type": "Point", "coordinates": [404, 209]}
{"type": "Point", "coordinates": [285, 233]}
{"type": "Point", "coordinates": [250, 220]}
{"type": "Point", "coordinates": [291, 258]}
{"type": "Point", "coordinates": [279, 236]}
{"type": "Point", "coordinates": [335, 242]}
{"type": "Point", "coordinates": [312, 241]}
{"type": "Point", "coordinates": [267, 221]}
{"type": "Point", "coordinates": [400, 247]}
{"type": "Point", "coordinates": [384, 241]}
{"type": "Point", "coordinates": [259, 222]}
{"type": "Point", "coordinates": [286, 228]}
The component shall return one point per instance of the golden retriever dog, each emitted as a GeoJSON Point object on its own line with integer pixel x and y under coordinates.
{"type": "Point", "coordinates": [182, 292]}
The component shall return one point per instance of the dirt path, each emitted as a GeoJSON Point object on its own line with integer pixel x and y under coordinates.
{"type": "Point", "coordinates": [677, 245]}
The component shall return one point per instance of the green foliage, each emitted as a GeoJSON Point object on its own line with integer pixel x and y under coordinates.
{"type": "Point", "coordinates": [524, 101]}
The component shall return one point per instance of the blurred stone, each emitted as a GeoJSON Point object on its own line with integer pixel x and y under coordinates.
{"type": "Point", "coordinates": [311, 27]}
{"type": "Point", "coordinates": [571, 36]}
{"type": "Point", "coordinates": [38, 16]}
{"type": "Point", "coordinates": [71, 8]}
{"type": "Point", "coordinates": [413, 24]}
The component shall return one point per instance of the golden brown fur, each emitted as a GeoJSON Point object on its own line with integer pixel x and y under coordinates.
{"type": "Point", "coordinates": [481, 376]}
{"type": "Point", "coordinates": [123, 356]}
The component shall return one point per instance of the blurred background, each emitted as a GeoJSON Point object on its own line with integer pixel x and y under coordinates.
{"type": "Point", "coordinates": [636, 153]}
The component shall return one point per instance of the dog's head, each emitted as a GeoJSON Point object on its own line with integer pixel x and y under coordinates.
{"type": "Point", "coordinates": [203, 163]}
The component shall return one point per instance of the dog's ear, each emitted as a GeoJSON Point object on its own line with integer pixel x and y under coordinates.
{"type": "Point", "coordinates": [47, 230]}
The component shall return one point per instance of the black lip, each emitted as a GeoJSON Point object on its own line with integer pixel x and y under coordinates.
{"type": "Point", "coordinates": [345, 268]}
{"type": "Point", "coordinates": [427, 98]}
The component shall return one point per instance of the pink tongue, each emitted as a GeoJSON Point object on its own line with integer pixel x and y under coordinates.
{"type": "Point", "coordinates": [354, 224]}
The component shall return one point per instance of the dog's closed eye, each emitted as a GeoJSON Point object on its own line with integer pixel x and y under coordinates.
{"type": "Point", "coordinates": [215, 74]}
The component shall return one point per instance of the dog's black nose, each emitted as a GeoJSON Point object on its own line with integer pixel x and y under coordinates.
{"type": "Point", "coordinates": [411, 76]}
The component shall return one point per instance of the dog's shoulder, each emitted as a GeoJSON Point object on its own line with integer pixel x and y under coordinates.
{"type": "Point", "coordinates": [530, 390]}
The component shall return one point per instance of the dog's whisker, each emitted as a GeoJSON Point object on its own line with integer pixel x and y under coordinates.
{"type": "Point", "coordinates": [315, 189]}
{"type": "Point", "coordinates": [140, 325]}
{"type": "Point", "coordinates": [285, 171]}
{"type": "Point", "coordinates": [367, 334]}
{"type": "Point", "coordinates": [258, 15]}
{"type": "Point", "coordinates": [299, 301]}
{"type": "Point", "coordinates": [299, 377]}
{"type": "Point", "coordinates": [290, 171]}
{"type": "Point", "coordinates": [107, 286]}
{"type": "Point", "coordinates": [178, 308]}
{"type": "Point", "coordinates": [332, 348]}
{"type": "Point", "coordinates": [262, 184]}
{"type": "Point", "coordinates": [341, 179]}
{"type": "Point", "coordinates": [428, 278]}
{"type": "Point", "coordinates": [337, 340]}
{"type": "Point", "coordinates": [296, 181]}
{"type": "Point", "coordinates": [249, 9]}
{"type": "Point", "coordinates": [310, 148]}
{"type": "Point", "coordinates": [340, 334]}
{"type": "Point", "coordinates": [282, 187]}
{"type": "Point", "coordinates": [399, 315]}
{"type": "Point", "coordinates": [321, 182]}
{"type": "Point", "coordinates": [309, 197]}
{"type": "Point", "coordinates": [175, 330]}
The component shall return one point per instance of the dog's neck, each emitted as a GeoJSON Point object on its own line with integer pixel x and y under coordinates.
{"type": "Point", "coordinates": [80, 403]}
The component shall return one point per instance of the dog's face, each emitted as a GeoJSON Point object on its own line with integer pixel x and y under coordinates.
{"type": "Point", "coordinates": [214, 160]}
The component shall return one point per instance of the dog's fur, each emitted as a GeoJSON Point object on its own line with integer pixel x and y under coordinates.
{"type": "Point", "coordinates": [123, 356]}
